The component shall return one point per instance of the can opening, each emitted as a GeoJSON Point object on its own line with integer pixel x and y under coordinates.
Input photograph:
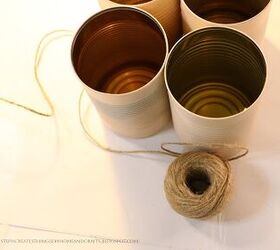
{"type": "Point", "coordinates": [216, 72]}
{"type": "Point", "coordinates": [226, 11]}
{"type": "Point", "coordinates": [119, 50]}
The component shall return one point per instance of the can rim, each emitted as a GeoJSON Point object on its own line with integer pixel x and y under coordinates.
{"type": "Point", "coordinates": [203, 30]}
{"type": "Point", "coordinates": [136, 5]}
{"type": "Point", "coordinates": [228, 24]}
{"type": "Point", "coordinates": [130, 8]}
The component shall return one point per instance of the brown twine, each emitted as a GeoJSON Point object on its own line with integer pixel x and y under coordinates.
{"type": "Point", "coordinates": [205, 164]}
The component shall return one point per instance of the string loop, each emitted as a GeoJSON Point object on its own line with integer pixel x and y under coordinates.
{"type": "Point", "coordinates": [210, 147]}
{"type": "Point", "coordinates": [43, 44]}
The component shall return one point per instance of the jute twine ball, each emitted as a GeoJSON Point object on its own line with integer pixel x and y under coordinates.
{"type": "Point", "coordinates": [198, 184]}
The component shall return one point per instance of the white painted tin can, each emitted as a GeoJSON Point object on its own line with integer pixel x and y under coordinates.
{"type": "Point", "coordinates": [119, 55]}
{"type": "Point", "coordinates": [215, 79]}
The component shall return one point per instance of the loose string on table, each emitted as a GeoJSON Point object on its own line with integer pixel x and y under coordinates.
{"type": "Point", "coordinates": [43, 44]}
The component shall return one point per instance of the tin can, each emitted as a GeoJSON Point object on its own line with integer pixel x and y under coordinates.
{"type": "Point", "coordinates": [247, 16]}
{"type": "Point", "coordinates": [215, 77]}
{"type": "Point", "coordinates": [119, 55]}
{"type": "Point", "coordinates": [166, 11]}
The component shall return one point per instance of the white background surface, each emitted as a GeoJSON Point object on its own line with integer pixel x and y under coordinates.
{"type": "Point", "coordinates": [52, 177]}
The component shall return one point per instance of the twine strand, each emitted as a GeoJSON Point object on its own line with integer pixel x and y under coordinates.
{"type": "Point", "coordinates": [43, 44]}
{"type": "Point", "coordinates": [243, 150]}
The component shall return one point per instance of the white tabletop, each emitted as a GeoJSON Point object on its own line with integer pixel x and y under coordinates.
{"type": "Point", "coordinates": [53, 178]}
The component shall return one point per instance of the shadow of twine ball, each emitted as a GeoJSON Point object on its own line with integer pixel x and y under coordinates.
{"type": "Point", "coordinates": [198, 184]}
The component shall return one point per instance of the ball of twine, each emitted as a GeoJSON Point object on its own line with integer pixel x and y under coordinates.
{"type": "Point", "coordinates": [198, 184]}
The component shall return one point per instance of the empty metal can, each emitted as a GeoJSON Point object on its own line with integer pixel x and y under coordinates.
{"type": "Point", "coordinates": [215, 77]}
{"type": "Point", "coordinates": [247, 16]}
{"type": "Point", "coordinates": [119, 55]}
{"type": "Point", "coordinates": [166, 11]}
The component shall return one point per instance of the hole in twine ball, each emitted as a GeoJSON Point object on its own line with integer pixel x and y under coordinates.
{"type": "Point", "coordinates": [198, 181]}
{"type": "Point", "coordinates": [198, 184]}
